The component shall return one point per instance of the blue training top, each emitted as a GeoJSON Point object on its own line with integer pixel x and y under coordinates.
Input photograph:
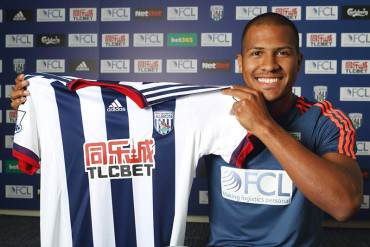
{"type": "Point", "coordinates": [259, 205]}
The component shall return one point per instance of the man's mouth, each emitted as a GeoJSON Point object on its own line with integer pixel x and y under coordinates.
{"type": "Point", "coordinates": [268, 80]}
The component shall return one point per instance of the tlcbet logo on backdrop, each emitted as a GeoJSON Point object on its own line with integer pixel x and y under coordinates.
{"type": "Point", "coordinates": [11, 116]}
{"type": "Point", "coordinates": [148, 65]}
{"type": "Point", "coordinates": [356, 67]}
{"type": "Point", "coordinates": [291, 12]}
{"type": "Point", "coordinates": [82, 14]}
{"type": "Point", "coordinates": [115, 40]}
{"type": "Point", "coordinates": [321, 40]}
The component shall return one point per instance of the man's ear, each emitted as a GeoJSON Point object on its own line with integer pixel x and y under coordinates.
{"type": "Point", "coordinates": [239, 57]}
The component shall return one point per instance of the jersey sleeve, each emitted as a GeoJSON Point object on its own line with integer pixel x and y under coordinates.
{"type": "Point", "coordinates": [26, 141]}
{"type": "Point", "coordinates": [221, 133]}
{"type": "Point", "coordinates": [335, 132]}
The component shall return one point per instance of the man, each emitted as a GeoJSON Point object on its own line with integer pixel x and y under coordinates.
{"type": "Point", "coordinates": [276, 199]}
{"type": "Point", "coordinates": [321, 165]}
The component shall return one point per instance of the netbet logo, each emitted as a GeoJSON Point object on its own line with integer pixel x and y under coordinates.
{"type": "Point", "coordinates": [119, 159]}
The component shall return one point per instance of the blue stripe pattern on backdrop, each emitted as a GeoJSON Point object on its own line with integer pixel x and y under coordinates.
{"type": "Point", "coordinates": [69, 111]}
{"type": "Point", "coordinates": [164, 180]}
{"type": "Point", "coordinates": [122, 197]}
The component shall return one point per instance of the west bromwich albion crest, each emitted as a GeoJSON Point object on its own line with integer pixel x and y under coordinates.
{"type": "Point", "coordinates": [217, 12]}
{"type": "Point", "coordinates": [320, 92]}
{"type": "Point", "coordinates": [356, 118]}
{"type": "Point", "coordinates": [163, 122]}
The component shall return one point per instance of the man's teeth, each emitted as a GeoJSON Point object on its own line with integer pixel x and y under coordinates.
{"type": "Point", "coordinates": [268, 80]}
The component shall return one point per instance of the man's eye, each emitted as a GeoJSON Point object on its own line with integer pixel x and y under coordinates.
{"type": "Point", "coordinates": [283, 53]}
{"type": "Point", "coordinates": [256, 53]}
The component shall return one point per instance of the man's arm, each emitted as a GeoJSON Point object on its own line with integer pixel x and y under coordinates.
{"type": "Point", "coordinates": [333, 182]}
{"type": "Point", "coordinates": [19, 92]}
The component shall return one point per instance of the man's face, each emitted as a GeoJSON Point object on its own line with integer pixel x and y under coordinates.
{"type": "Point", "coordinates": [270, 62]}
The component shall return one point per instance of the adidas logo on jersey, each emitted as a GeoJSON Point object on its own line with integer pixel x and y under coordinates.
{"type": "Point", "coordinates": [82, 67]}
{"type": "Point", "coordinates": [116, 106]}
{"type": "Point", "coordinates": [19, 17]}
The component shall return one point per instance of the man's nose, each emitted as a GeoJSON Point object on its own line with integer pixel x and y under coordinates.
{"type": "Point", "coordinates": [269, 63]}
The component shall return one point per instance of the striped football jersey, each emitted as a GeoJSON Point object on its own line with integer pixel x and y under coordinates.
{"type": "Point", "coordinates": [117, 159]}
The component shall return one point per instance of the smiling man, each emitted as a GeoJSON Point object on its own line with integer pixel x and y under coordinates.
{"type": "Point", "coordinates": [286, 183]}
{"type": "Point", "coordinates": [300, 156]}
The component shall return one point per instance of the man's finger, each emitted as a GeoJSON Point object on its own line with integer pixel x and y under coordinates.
{"type": "Point", "coordinates": [237, 93]}
{"type": "Point", "coordinates": [19, 78]}
{"type": "Point", "coordinates": [19, 93]}
{"type": "Point", "coordinates": [17, 102]}
{"type": "Point", "coordinates": [21, 84]}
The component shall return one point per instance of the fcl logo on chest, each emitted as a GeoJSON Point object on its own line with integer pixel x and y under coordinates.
{"type": "Point", "coordinates": [119, 158]}
{"type": "Point", "coordinates": [255, 186]}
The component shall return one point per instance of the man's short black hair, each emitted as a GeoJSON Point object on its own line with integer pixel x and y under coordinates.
{"type": "Point", "coordinates": [273, 19]}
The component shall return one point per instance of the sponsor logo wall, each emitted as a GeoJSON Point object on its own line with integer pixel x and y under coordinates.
{"type": "Point", "coordinates": [181, 41]}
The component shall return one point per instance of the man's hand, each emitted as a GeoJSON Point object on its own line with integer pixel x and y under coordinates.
{"type": "Point", "coordinates": [250, 108]}
{"type": "Point", "coordinates": [19, 92]}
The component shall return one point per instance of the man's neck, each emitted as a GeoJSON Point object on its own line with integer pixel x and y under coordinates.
{"type": "Point", "coordinates": [281, 106]}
